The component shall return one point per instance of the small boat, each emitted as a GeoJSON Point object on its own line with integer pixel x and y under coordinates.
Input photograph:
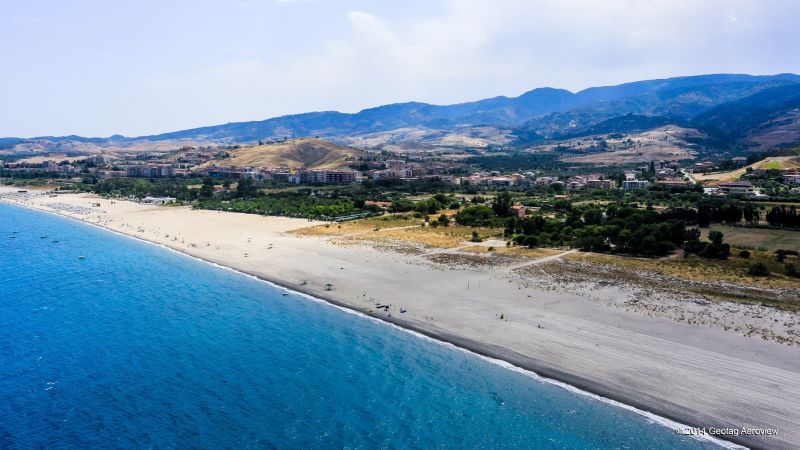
{"type": "Point", "coordinates": [12, 237]}
{"type": "Point", "coordinates": [284, 293]}
{"type": "Point", "coordinates": [43, 237]}
{"type": "Point", "coordinates": [56, 242]}
{"type": "Point", "coordinates": [81, 257]}
{"type": "Point", "coordinates": [403, 311]}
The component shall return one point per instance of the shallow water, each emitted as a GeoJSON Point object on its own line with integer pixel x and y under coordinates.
{"type": "Point", "coordinates": [137, 346]}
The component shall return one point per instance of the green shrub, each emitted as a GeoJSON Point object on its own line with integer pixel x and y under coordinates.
{"type": "Point", "coordinates": [744, 254]}
{"type": "Point", "coordinates": [781, 254]}
{"type": "Point", "coordinates": [530, 241]}
{"type": "Point", "coordinates": [758, 269]}
{"type": "Point", "coordinates": [476, 216]}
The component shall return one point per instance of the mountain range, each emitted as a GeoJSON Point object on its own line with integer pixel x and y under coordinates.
{"type": "Point", "coordinates": [745, 111]}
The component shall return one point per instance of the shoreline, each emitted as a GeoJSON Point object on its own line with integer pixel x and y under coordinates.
{"type": "Point", "coordinates": [509, 361]}
{"type": "Point", "coordinates": [653, 408]}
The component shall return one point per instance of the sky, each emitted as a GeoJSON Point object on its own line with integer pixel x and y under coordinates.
{"type": "Point", "coordinates": [103, 67]}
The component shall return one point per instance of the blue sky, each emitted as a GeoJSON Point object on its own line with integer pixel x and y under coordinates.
{"type": "Point", "coordinates": [96, 68]}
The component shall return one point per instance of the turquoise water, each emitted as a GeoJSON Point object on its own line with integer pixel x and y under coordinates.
{"type": "Point", "coordinates": [139, 347]}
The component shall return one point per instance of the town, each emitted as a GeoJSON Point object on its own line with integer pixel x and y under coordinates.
{"type": "Point", "coordinates": [764, 181]}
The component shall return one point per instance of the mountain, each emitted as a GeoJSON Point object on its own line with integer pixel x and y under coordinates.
{"type": "Point", "coordinates": [548, 112]}
{"type": "Point", "coordinates": [768, 118]}
{"type": "Point", "coordinates": [713, 102]}
{"type": "Point", "coordinates": [679, 99]}
{"type": "Point", "coordinates": [309, 153]}
{"type": "Point", "coordinates": [628, 123]}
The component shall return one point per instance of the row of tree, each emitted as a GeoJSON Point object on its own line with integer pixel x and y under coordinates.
{"type": "Point", "coordinates": [615, 228]}
{"type": "Point", "coordinates": [783, 216]}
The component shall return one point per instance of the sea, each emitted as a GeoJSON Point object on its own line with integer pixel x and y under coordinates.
{"type": "Point", "coordinates": [110, 342]}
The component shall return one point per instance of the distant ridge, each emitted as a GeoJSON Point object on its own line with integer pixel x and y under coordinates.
{"type": "Point", "coordinates": [545, 113]}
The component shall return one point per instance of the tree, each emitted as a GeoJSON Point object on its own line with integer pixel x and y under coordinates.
{"type": "Point", "coordinates": [207, 190]}
{"type": "Point", "coordinates": [430, 206]}
{"type": "Point", "coordinates": [502, 204]}
{"type": "Point", "coordinates": [758, 269]}
{"type": "Point", "coordinates": [715, 237]}
{"type": "Point", "coordinates": [476, 216]}
{"type": "Point", "coordinates": [441, 198]}
{"type": "Point", "coordinates": [592, 216]}
{"type": "Point", "coordinates": [530, 241]}
{"type": "Point", "coordinates": [703, 216]}
{"type": "Point", "coordinates": [246, 188]}
{"type": "Point", "coordinates": [401, 205]}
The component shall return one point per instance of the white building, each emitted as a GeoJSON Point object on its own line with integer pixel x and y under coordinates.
{"type": "Point", "coordinates": [737, 187]}
{"type": "Point", "coordinates": [632, 185]}
{"type": "Point", "coordinates": [158, 200]}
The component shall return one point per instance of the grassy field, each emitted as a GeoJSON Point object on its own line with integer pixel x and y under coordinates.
{"type": "Point", "coordinates": [757, 238]}
{"type": "Point", "coordinates": [410, 232]}
{"type": "Point", "coordinates": [734, 270]}
{"type": "Point", "coordinates": [404, 227]}
{"type": "Point", "coordinates": [777, 162]}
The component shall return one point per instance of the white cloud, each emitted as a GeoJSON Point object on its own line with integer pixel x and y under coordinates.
{"type": "Point", "coordinates": [351, 57]}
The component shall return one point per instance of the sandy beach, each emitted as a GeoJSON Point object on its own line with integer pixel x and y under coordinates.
{"type": "Point", "coordinates": [545, 315]}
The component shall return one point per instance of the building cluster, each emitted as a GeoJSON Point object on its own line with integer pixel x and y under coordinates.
{"type": "Point", "coordinates": [150, 170]}
{"type": "Point", "coordinates": [397, 169]}
{"type": "Point", "coordinates": [792, 176]}
{"type": "Point", "coordinates": [285, 174]}
{"type": "Point", "coordinates": [198, 162]}
{"type": "Point", "coordinates": [593, 181]}
{"type": "Point", "coordinates": [49, 166]}
{"type": "Point", "coordinates": [701, 167]}
{"type": "Point", "coordinates": [493, 179]}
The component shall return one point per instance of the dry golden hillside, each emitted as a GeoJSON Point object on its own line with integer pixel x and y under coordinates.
{"type": "Point", "coordinates": [309, 153]}
{"type": "Point", "coordinates": [773, 162]}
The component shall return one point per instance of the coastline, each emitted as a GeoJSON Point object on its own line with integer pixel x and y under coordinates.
{"type": "Point", "coordinates": [655, 408]}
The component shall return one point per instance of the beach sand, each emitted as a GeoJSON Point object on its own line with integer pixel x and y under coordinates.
{"type": "Point", "coordinates": [594, 336]}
